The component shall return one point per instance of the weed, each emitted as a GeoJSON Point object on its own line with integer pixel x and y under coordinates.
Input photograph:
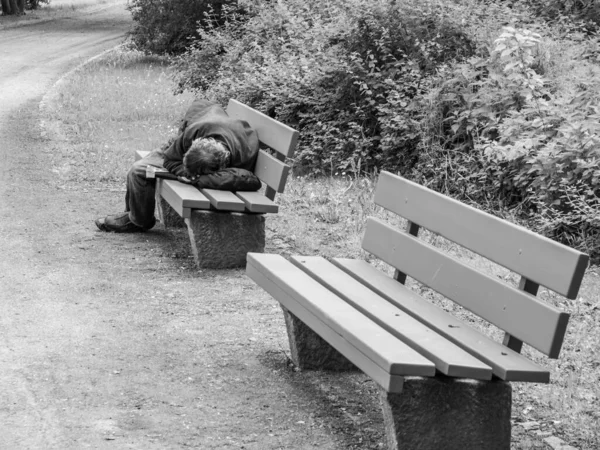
{"type": "Point", "coordinates": [105, 129]}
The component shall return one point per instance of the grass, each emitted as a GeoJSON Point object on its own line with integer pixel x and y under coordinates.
{"type": "Point", "coordinates": [124, 102]}
{"type": "Point", "coordinates": [112, 108]}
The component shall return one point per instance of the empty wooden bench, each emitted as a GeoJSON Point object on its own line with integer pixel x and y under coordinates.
{"type": "Point", "coordinates": [224, 226]}
{"type": "Point", "coordinates": [443, 384]}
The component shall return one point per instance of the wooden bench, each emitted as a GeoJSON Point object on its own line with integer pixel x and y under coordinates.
{"type": "Point", "coordinates": [224, 226]}
{"type": "Point", "coordinates": [443, 384]}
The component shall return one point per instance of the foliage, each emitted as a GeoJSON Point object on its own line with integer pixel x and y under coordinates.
{"type": "Point", "coordinates": [583, 14]}
{"type": "Point", "coordinates": [166, 26]}
{"type": "Point", "coordinates": [515, 139]}
{"type": "Point", "coordinates": [343, 72]}
{"type": "Point", "coordinates": [35, 4]}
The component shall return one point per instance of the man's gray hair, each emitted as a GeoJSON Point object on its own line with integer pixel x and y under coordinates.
{"type": "Point", "coordinates": [206, 155]}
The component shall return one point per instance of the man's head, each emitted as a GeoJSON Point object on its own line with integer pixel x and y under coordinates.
{"type": "Point", "coordinates": [205, 155]}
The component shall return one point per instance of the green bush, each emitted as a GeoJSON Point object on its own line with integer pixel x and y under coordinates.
{"type": "Point", "coordinates": [343, 72]}
{"type": "Point", "coordinates": [508, 138]}
{"type": "Point", "coordinates": [581, 14]}
{"type": "Point", "coordinates": [168, 26]}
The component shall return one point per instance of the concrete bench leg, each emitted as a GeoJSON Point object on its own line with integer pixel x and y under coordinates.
{"type": "Point", "coordinates": [167, 215]}
{"type": "Point", "coordinates": [309, 350]}
{"type": "Point", "coordinates": [446, 413]}
{"type": "Point", "coordinates": [221, 240]}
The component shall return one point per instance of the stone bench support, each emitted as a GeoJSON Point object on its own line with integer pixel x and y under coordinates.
{"type": "Point", "coordinates": [430, 413]}
{"type": "Point", "coordinates": [448, 413]}
{"type": "Point", "coordinates": [309, 350]}
{"type": "Point", "coordinates": [167, 215]}
{"type": "Point", "coordinates": [219, 240]}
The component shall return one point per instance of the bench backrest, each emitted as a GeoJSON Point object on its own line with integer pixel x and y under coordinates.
{"type": "Point", "coordinates": [538, 260]}
{"type": "Point", "coordinates": [272, 170]}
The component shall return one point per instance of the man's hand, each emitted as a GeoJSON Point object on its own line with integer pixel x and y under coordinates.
{"type": "Point", "coordinates": [190, 180]}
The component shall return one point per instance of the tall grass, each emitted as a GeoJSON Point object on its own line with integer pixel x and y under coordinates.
{"type": "Point", "coordinates": [108, 110]}
{"type": "Point", "coordinates": [124, 102]}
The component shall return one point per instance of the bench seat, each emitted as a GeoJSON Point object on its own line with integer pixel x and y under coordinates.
{"type": "Point", "coordinates": [374, 350]}
{"type": "Point", "coordinates": [181, 196]}
{"type": "Point", "coordinates": [451, 346]}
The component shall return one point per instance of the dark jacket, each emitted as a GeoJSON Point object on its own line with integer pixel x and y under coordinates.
{"type": "Point", "coordinates": [208, 119]}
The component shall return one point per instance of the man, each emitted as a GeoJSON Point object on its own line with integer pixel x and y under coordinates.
{"type": "Point", "coordinates": [212, 151]}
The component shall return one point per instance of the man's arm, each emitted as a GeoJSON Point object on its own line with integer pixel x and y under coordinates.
{"type": "Point", "coordinates": [230, 179]}
{"type": "Point", "coordinates": [173, 156]}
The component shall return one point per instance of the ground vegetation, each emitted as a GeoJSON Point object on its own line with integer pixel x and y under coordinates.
{"type": "Point", "coordinates": [168, 26]}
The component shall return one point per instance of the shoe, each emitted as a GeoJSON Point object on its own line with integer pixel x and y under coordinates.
{"type": "Point", "coordinates": [119, 223]}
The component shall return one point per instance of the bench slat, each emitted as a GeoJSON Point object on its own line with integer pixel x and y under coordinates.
{"type": "Point", "coordinates": [271, 132]}
{"type": "Point", "coordinates": [139, 154]}
{"type": "Point", "coordinates": [391, 383]}
{"type": "Point", "coordinates": [378, 345]}
{"type": "Point", "coordinates": [449, 359]}
{"type": "Point", "coordinates": [272, 171]}
{"type": "Point", "coordinates": [224, 200]}
{"type": "Point", "coordinates": [537, 258]}
{"type": "Point", "coordinates": [182, 196]}
{"type": "Point", "coordinates": [506, 364]}
{"type": "Point", "coordinates": [512, 310]}
{"type": "Point", "coordinates": [257, 203]}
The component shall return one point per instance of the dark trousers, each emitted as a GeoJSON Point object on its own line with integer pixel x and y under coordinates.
{"type": "Point", "coordinates": [140, 197]}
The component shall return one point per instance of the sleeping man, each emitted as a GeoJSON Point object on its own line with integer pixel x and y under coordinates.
{"type": "Point", "coordinates": [212, 151]}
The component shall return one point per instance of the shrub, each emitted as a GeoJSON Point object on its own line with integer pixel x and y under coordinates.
{"type": "Point", "coordinates": [581, 14]}
{"type": "Point", "coordinates": [167, 26]}
{"type": "Point", "coordinates": [35, 4]}
{"type": "Point", "coordinates": [506, 137]}
{"type": "Point", "coordinates": [343, 72]}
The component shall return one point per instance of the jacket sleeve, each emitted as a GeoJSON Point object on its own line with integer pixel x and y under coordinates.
{"type": "Point", "coordinates": [173, 156]}
{"type": "Point", "coordinates": [230, 179]}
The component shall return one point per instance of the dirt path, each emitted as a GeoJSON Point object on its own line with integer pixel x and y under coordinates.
{"type": "Point", "coordinates": [115, 341]}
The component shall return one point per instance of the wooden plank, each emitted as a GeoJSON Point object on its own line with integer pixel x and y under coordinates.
{"type": "Point", "coordinates": [139, 154]}
{"type": "Point", "coordinates": [511, 310]}
{"type": "Point", "coordinates": [380, 346]}
{"type": "Point", "coordinates": [391, 383]}
{"type": "Point", "coordinates": [272, 171]}
{"type": "Point", "coordinates": [448, 358]}
{"type": "Point", "coordinates": [537, 258]}
{"type": "Point", "coordinates": [183, 196]}
{"type": "Point", "coordinates": [505, 363]}
{"type": "Point", "coordinates": [257, 203]}
{"type": "Point", "coordinates": [224, 200]}
{"type": "Point", "coordinates": [271, 132]}
{"type": "Point", "coordinates": [172, 199]}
